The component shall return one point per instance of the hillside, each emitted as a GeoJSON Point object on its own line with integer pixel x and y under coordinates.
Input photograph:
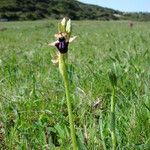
{"type": "Point", "coordinates": [39, 9]}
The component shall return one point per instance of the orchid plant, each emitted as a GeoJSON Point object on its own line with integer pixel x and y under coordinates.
{"type": "Point", "coordinates": [63, 40]}
{"type": "Point", "coordinates": [113, 80]}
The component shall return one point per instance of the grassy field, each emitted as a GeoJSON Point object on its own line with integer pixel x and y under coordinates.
{"type": "Point", "coordinates": [33, 112]}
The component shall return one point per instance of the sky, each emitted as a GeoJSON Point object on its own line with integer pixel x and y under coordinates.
{"type": "Point", "coordinates": [123, 5]}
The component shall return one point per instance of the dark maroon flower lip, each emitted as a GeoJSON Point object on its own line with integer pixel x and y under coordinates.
{"type": "Point", "coordinates": [62, 45]}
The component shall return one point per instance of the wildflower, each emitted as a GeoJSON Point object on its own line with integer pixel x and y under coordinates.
{"type": "Point", "coordinates": [63, 38]}
{"type": "Point", "coordinates": [62, 42]}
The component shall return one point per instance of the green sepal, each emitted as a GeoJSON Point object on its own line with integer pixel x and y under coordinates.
{"type": "Point", "coordinates": [68, 26]}
{"type": "Point", "coordinates": [60, 28]}
{"type": "Point", "coordinates": [63, 25]}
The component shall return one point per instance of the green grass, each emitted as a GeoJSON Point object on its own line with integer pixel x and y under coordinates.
{"type": "Point", "coordinates": [33, 111]}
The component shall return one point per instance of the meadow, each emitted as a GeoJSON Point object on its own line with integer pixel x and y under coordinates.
{"type": "Point", "coordinates": [33, 112]}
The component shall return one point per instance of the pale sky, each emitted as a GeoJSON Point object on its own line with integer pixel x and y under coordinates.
{"type": "Point", "coordinates": [123, 5]}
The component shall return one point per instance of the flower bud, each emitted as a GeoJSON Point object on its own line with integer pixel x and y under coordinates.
{"type": "Point", "coordinates": [113, 78]}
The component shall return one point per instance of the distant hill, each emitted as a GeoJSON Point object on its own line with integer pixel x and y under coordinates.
{"type": "Point", "coordinates": [39, 9]}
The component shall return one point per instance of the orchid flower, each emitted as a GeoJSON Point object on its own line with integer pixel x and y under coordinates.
{"type": "Point", "coordinates": [63, 38]}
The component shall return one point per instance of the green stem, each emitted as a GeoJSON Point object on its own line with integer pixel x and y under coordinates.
{"type": "Point", "coordinates": [101, 130]}
{"type": "Point", "coordinates": [113, 135]}
{"type": "Point", "coordinates": [63, 71]}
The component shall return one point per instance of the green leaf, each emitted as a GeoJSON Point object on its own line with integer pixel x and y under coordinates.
{"type": "Point", "coordinates": [80, 141]}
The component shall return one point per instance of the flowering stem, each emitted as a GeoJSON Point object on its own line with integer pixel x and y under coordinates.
{"type": "Point", "coordinates": [63, 71]}
{"type": "Point", "coordinates": [101, 130]}
{"type": "Point", "coordinates": [113, 135]}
